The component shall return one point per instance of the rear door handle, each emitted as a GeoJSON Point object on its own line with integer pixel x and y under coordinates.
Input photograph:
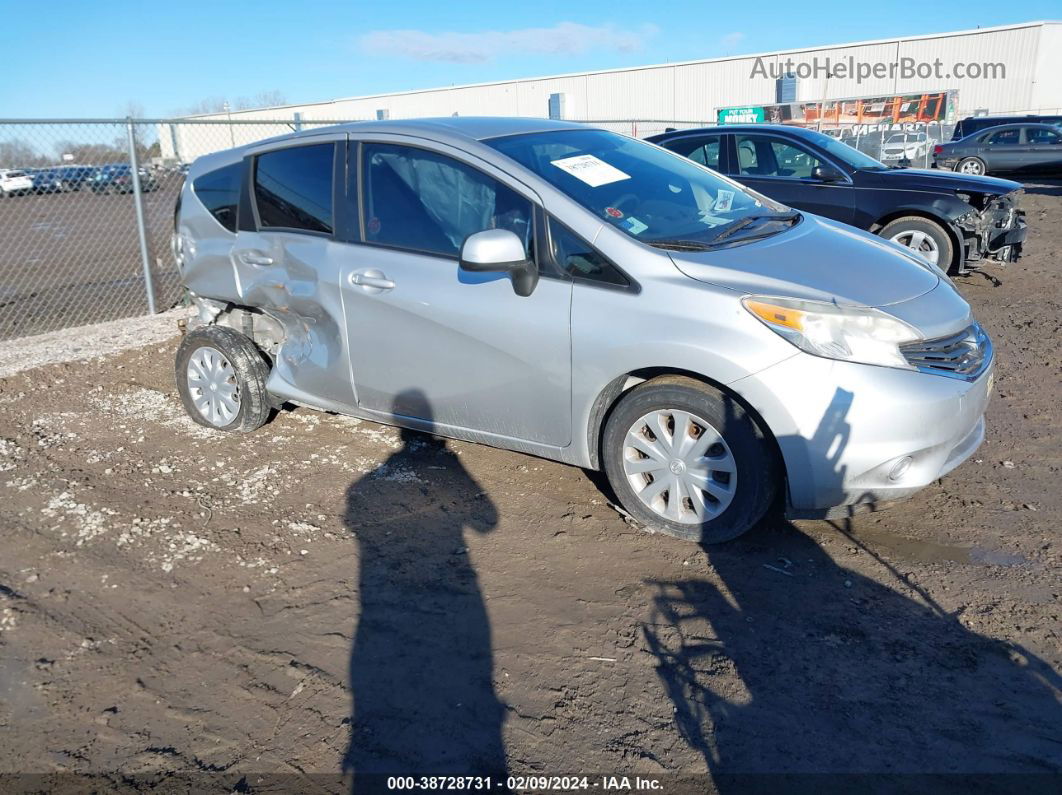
{"type": "Point", "coordinates": [255, 258]}
{"type": "Point", "coordinates": [373, 279]}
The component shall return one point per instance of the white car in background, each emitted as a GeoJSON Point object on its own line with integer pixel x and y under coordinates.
{"type": "Point", "coordinates": [13, 183]}
{"type": "Point", "coordinates": [912, 146]}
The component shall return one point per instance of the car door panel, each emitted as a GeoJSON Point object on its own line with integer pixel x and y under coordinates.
{"type": "Point", "coordinates": [1046, 158]}
{"type": "Point", "coordinates": [299, 288]}
{"type": "Point", "coordinates": [1043, 151]}
{"type": "Point", "coordinates": [1001, 150]}
{"type": "Point", "coordinates": [293, 277]}
{"type": "Point", "coordinates": [461, 346]}
{"type": "Point", "coordinates": [485, 358]}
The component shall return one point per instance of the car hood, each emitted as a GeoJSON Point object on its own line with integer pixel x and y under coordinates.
{"type": "Point", "coordinates": [937, 180]}
{"type": "Point", "coordinates": [817, 260]}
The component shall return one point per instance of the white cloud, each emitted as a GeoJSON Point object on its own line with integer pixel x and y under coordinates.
{"type": "Point", "coordinates": [730, 41]}
{"type": "Point", "coordinates": [564, 38]}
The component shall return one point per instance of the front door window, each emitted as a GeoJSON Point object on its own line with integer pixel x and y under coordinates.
{"type": "Point", "coordinates": [423, 201]}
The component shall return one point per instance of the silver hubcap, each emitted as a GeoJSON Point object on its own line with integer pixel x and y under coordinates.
{"type": "Point", "coordinates": [970, 167]}
{"type": "Point", "coordinates": [679, 466]}
{"type": "Point", "coordinates": [920, 242]}
{"type": "Point", "coordinates": [212, 384]}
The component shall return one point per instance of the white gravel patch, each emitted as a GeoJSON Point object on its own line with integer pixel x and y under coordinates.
{"type": "Point", "coordinates": [88, 342]}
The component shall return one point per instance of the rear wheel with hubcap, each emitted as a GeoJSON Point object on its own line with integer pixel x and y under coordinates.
{"type": "Point", "coordinates": [971, 165]}
{"type": "Point", "coordinates": [221, 378]}
{"type": "Point", "coordinates": [687, 460]}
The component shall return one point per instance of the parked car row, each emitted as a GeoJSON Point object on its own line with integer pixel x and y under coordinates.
{"type": "Point", "coordinates": [112, 178]}
{"type": "Point", "coordinates": [956, 221]}
{"type": "Point", "coordinates": [565, 291]}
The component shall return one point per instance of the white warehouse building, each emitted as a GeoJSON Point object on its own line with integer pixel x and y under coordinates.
{"type": "Point", "coordinates": [1006, 69]}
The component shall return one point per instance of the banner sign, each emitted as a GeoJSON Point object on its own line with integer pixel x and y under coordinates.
{"type": "Point", "coordinates": [871, 112]}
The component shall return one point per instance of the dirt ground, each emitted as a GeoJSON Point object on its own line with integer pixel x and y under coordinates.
{"type": "Point", "coordinates": [329, 595]}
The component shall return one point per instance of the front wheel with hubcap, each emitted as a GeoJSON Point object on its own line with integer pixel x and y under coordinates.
{"type": "Point", "coordinates": [221, 378]}
{"type": "Point", "coordinates": [687, 460]}
{"type": "Point", "coordinates": [922, 236]}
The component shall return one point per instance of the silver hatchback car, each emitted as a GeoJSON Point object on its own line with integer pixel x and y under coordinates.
{"type": "Point", "coordinates": [571, 293]}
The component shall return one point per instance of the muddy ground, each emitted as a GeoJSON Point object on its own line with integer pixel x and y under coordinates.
{"type": "Point", "coordinates": [327, 595]}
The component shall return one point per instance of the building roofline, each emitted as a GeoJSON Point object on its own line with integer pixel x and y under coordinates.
{"type": "Point", "coordinates": [646, 67]}
{"type": "Point", "coordinates": [695, 61]}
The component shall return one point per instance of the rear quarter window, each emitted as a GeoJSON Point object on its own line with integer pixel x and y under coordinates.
{"type": "Point", "coordinates": [219, 192]}
{"type": "Point", "coordinates": [293, 188]}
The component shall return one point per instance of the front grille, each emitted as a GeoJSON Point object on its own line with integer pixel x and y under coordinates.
{"type": "Point", "coordinates": [962, 355]}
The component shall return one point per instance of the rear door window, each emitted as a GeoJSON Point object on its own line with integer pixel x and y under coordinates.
{"type": "Point", "coordinates": [704, 149]}
{"type": "Point", "coordinates": [219, 192]}
{"type": "Point", "coordinates": [1040, 135]}
{"type": "Point", "coordinates": [293, 188]}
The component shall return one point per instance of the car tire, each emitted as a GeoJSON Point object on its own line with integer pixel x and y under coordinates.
{"type": "Point", "coordinates": [923, 236]}
{"type": "Point", "coordinates": [221, 377]}
{"type": "Point", "coordinates": [974, 166]}
{"type": "Point", "coordinates": [738, 466]}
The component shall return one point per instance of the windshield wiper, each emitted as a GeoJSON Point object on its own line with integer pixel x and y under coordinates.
{"type": "Point", "coordinates": [679, 245]}
{"type": "Point", "coordinates": [748, 220]}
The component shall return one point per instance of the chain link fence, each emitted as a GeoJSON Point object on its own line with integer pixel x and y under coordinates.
{"type": "Point", "coordinates": [86, 214]}
{"type": "Point", "coordinates": [908, 145]}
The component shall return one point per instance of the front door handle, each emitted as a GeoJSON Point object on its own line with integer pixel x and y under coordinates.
{"type": "Point", "coordinates": [255, 258]}
{"type": "Point", "coordinates": [373, 279]}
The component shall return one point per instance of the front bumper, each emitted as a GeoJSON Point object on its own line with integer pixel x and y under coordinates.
{"type": "Point", "coordinates": [855, 435]}
{"type": "Point", "coordinates": [995, 233]}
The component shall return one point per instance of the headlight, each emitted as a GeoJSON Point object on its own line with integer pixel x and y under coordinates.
{"type": "Point", "coordinates": [867, 336]}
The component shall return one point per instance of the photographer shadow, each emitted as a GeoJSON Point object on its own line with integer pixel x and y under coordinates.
{"type": "Point", "coordinates": [421, 665]}
{"type": "Point", "coordinates": [837, 673]}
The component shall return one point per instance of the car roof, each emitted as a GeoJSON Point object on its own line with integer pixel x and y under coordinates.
{"type": "Point", "coordinates": [1016, 126]}
{"type": "Point", "coordinates": [1007, 119]}
{"type": "Point", "coordinates": [447, 129]}
{"type": "Point", "coordinates": [731, 128]}
{"type": "Point", "coordinates": [477, 128]}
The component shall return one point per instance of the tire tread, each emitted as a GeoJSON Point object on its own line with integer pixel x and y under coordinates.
{"type": "Point", "coordinates": [251, 371]}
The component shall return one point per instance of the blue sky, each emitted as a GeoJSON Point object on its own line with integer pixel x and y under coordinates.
{"type": "Point", "coordinates": [94, 58]}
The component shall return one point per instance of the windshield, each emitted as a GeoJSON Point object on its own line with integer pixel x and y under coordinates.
{"type": "Point", "coordinates": [644, 191]}
{"type": "Point", "coordinates": [843, 151]}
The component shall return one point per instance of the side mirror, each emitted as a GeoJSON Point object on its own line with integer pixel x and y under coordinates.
{"type": "Point", "coordinates": [826, 173]}
{"type": "Point", "coordinates": [500, 251]}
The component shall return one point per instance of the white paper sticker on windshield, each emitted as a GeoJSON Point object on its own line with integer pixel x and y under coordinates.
{"type": "Point", "coordinates": [590, 170]}
{"type": "Point", "coordinates": [723, 200]}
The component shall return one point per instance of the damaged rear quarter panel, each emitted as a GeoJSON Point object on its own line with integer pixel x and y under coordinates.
{"type": "Point", "coordinates": [301, 290]}
{"type": "Point", "coordinates": [205, 246]}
